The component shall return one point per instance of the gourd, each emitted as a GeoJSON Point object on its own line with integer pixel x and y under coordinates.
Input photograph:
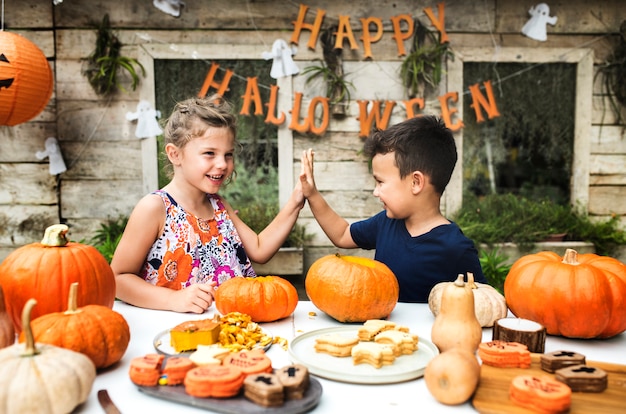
{"type": "Point", "coordinates": [452, 376]}
{"type": "Point", "coordinates": [489, 304]}
{"type": "Point", "coordinates": [44, 271]}
{"type": "Point", "coordinates": [352, 289]}
{"type": "Point", "coordinates": [576, 296]}
{"type": "Point", "coordinates": [41, 378]}
{"type": "Point", "coordinates": [94, 330]}
{"type": "Point", "coordinates": [264, 298]}
{"type": "Point", "coordinates": [456, 324]}
{"type": "Point", "coordinates": [7, 330]}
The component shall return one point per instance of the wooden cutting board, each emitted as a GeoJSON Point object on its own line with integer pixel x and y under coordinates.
{"type": "Point", "coordinates": [492, 395]}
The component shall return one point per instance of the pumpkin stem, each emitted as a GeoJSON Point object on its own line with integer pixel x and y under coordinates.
{"type": "Point", "coordinates": [29, 344]}
{"type": "Point", "coordinates": [470, 281]}
{"type": "Point", "coordinates": [570, 257]}
{"type": "Point", "coordinates": [55, 236]}
{"type": "Point", "coordinates": [72, 302]}
{"type": "Point", "coordinates": [460, 282]}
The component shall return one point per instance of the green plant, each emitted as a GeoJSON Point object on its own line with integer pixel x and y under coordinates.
{"type": "Point", "coordinates": [108, 236]}
{"type": "Point", "coordinates": [425, 63]}
{"type": "Point", "coordinates": [105, 62]}
{"type": "Point", "coordinates": [495, 267]}
{"type": "Point", "coordinates": [501, 218]}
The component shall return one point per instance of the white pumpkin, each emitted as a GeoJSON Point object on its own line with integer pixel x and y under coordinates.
{"type": "Point", "coordinates": [42, 378]}
{"type": "Point", "coordinates": [489, 304]}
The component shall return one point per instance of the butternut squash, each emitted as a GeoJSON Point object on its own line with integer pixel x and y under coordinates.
{"type": "Point", "coordinates": [456, 324]}
{"type": "Point", "coordinates": [452, 376]}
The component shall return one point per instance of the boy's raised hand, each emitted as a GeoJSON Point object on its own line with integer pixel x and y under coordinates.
{"type": "Point", "coordinates": [306, 173]}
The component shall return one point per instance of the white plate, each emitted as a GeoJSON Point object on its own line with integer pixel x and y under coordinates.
{"type": "Point", "coordinates": [162, 344]}
{"type": "Point", "coordinates": [404, 368]}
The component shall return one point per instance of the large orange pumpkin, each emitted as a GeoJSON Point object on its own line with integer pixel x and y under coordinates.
{"type": "Point", "coordinates": [264, 298]}
{"type": "Point", "coordinates": [577, 296]}
{"type": "Point", "coordinates": [93, 330]}
{"type": "Point", "coordinates": [44, 271]}
{"type": "Point", "coordinates": [26, 81]}
{"type": "Point", "coordinates": [352, 289]}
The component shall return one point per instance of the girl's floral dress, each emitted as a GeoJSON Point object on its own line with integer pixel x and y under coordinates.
{"type": "Point", "coordinates": [193, 250]}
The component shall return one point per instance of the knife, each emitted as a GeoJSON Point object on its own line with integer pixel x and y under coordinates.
{"type": "Point", "coordinates": [107, 403]}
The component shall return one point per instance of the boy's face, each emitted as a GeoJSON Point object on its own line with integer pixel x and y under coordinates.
{"type": "Point", "coordinates": [394, 192]}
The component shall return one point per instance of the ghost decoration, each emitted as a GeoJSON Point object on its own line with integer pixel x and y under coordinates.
{"type": "Point", "coordinates": [53, 153]}
{"type": "Point", "coordinates": [283, 64]}
{"type": "Point", "coordinates": [535, 28]}
{"type": "Point", "coordinates": [171, 7]}
{"type": "Point", "coordinates": [147, 125]}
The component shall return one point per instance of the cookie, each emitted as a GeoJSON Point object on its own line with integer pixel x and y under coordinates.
{"type": "Point", "coordinates": [335, 344]}
{"type": "Point", "coordinates": [373, 327]}
{"type": "Point", "coordinates": [373, 353]}
{"type": "Point", "coordinates": [540, 394]}
{"type": "Point", "coordinates": [249, 362]}
{"type": "Point", "coordinates": [264, 389]}
{"type": "Point", "coordinates": [216, 381]}
{"type": "Point", "coordinates": [404, 343]}
{"type": "Point", "coordinates": [583, 378]}
{"type": "Point", "coordinates": [208, 355]}
{"type": "Point", "coordinates": [560, 359]}
{"type": "Point", "coordinates": [146, 370]}
{"type": "Point", "coordinates": [502, 354]}
{"type": "Point", "coordinates": [175, 369]}
{"type": "Point", "coordinates": [295, 379]}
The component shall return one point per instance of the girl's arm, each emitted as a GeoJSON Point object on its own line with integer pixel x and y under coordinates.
{"type": "Point", "coordinates": [261, 247]}
{"type": "Point", "coordinates": [144, 225]}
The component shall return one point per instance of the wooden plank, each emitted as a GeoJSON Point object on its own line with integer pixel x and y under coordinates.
{"type": "Point", "coordinates": [28, 14]}
{"type": "Point", "coordinates": [93, 120]}
{"type": "Point", "coordinates": [605, 164]}
{"type": "Point", "coordinates": [102, 160]}
{"type": "Point", "coordinates": [608, 139]}
{"type": "Point", "coordinates": [21, 142]}
{"type": "Point", "coordinates": [24, 184]}
{"type": "Point", "coordinates": [22, 224]}
{"type": "Point", "coordinates": [99, 198]}
{"type": "Point", "coordinates": [607, 200]}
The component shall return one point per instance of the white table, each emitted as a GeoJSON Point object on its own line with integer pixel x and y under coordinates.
{"type": "Point", "coordinates": [337, 396]}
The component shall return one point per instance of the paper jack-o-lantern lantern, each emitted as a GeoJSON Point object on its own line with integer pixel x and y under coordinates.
{"type": "Point", "coordinates": [25, 79]}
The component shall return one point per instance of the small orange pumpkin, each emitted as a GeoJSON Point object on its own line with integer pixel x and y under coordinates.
{"type": "Point", "coordinates": [577, 296]}
{"type": "Point", "coordinates": [263, 298]}
{"type": "Point", "coordinates": [44, 271]}
{"type": "Point", "coordinates": [93, 330]}
{"type": "Point", "coordinates": [7, 330]}
{"type": "Point", "coordinates": [352, 289]}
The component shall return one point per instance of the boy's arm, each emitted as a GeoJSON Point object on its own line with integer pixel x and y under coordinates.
{"type": "Point", "coordinates": [336, 228]}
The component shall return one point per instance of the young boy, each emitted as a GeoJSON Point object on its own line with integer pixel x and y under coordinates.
{"type": "Point", "coordinates": [412, 163]}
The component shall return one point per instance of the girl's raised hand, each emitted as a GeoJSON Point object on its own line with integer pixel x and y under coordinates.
{"type": "Point", "coordinates": [306, 173]}
{"type": "Point", "coordinates": [196, 298]}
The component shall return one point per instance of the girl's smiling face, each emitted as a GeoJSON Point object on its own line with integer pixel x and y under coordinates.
{"type": "Point", "coordinates": [393, 191]}
{"type": "Point", "coordinates": [208, 160]}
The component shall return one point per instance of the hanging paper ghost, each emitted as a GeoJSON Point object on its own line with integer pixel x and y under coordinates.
{"type": "Point", "coordinates": [147, 125]}
{"type": "Point", "coordinates": [53, 152]}
{"type": "Point", "coordinates": [535, 28]}
{"type": "Point", "coordinates": [283, 64]}
{"type": "Point", "coordinates": [169, 6]}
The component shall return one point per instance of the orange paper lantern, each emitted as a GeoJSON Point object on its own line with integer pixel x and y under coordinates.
{"type": "Point", "coordinates": [25, 79]}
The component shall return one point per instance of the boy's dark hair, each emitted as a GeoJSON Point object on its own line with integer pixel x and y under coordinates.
{"type": "Point", "coordinates": [423, 143]}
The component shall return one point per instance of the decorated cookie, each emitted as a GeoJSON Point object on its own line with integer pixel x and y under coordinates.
{"type": "Point", "coordinates": [175, 370]}
{"type": "Point", "coordinates": [216, 381]}
{"type": "Point", "coordinates": [403, 343]}
{"type": "Point", "coordinates": [264, 389]}
{"type": "Point", "coordinates": [540, 394]}
{"type": "Point", "coordinates": [335, 344]}
{"type": "Point", "coordinates": [503, 354]}
{"type": "Point", "coordinates": [295, 379]}
{"type": "Point", "coordinates": [146, 370]}
{"type": "Point", "coordinates": [560, 359]}
{"type": "Point", "coordinates": [583, 378]}
{"type": "Point", "coordinates": [208, 355]}
{"type": "Point", "coordinates": [373, 353]}
{"type": "Point", "coordinates": [373, 327]}
{"type": "Point", "coordinates": [249, 362]}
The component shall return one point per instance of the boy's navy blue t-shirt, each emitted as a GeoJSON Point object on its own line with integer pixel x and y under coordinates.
{"type": "Point", "coordinates": [419, 262]}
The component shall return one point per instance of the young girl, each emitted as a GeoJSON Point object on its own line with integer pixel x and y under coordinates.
{"type": "Point", "coordinates": [182, 241]}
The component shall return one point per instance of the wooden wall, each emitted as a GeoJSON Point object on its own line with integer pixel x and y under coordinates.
{"type": "Point", "coordinates": [106, 162]}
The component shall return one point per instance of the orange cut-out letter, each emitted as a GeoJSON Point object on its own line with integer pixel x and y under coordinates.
{"type": "Point", "coordinates": [271, 108]}
{"type": "Point", "coordinates": [397, 30]}
{"type": "Point", "coordinates": [479, 100]}
{"type": "Point", "coordinates": [438, 23]}
{"type": "Point", "coordinates": [446, 112]}
{"type": "Point", "coordinates": [314, 28]}
{"type": "Point", "coordinates": [344, 31]}
{"type": "Point", "coordinates": [325, 115]}
{"type": "Point", "coordinates": [209, 81]}
{"type": "Point", "coordinates": [367, 38]}
{"type": "Point", "coordinates": [410, 107]}
{"type": "Point", "coordinates": [252, 95]}
{"type": "Point", "coordinates": [366, 119]}
{"type": "Point", "coordinates": [295, 115]}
